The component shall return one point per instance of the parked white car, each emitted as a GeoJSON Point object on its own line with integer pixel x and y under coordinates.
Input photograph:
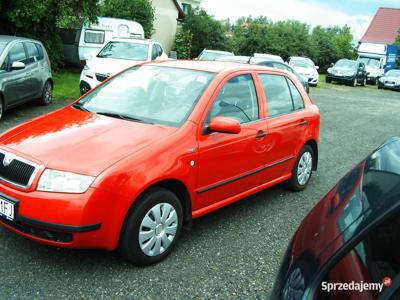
{"type": "Point", "coordinates": [306, 68]}
{"type": "Point", "coordinates": [116, 56]}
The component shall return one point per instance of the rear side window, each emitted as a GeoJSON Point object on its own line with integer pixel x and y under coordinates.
{"type": "Point", "coordinates": [237, 100]}
{"type": "Point", "coordinates": [17, 53]}
{"type": "Point", "coordinates": [277, 93]}
{"type": "Point", "coordinates": [94, 36]}
{"type": "Point", "coordinates": [40, 51]}
{"type": "Point", "coordinates": [33, 53]}
{"type": "Point", "coordinates": [296, 96]}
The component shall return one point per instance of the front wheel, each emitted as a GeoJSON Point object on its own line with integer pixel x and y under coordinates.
{"type": "Point", "coordinates": [302, 170]}
{"type": "Point", "coordinates": [364, 83]}
{"type": "Point", "coordinates": [152, 227]}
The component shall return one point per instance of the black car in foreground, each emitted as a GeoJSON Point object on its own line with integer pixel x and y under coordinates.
{"type": "Point", "coordinates": [268, 63]}
{"type": "Point", "coordinates": [347, 71]}
{"type": "Point", "coordinates": [391, 80]}
{"type": "Point", "coordinates": [348, 247]}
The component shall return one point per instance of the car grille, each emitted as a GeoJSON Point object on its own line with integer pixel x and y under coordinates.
{"type": "Point", "coordinates": [17, 172]}
{"type": "Point", "coordinates": [101, 77]}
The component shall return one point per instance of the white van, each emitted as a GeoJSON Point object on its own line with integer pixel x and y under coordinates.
{"type": "Point", "coordinates": [80, 44]}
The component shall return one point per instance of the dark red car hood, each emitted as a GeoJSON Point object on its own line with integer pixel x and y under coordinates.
{"type": "Point", "coordinates": [81, 142]}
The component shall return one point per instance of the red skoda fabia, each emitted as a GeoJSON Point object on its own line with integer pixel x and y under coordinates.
{"type": "Point", "coordinates": [136, 159]}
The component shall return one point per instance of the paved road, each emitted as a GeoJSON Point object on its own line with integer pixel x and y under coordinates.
{"type": "Point", "coordinates": [233, 253]}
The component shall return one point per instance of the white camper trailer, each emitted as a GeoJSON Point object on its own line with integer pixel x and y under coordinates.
{"type": "Point", "coordinates": [84, 42]}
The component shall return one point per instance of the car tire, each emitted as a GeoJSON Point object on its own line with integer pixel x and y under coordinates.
{"type": "Point", "coordinates": [152, 227]}
{"type": "Point", "coordinates": [364, 83]}
{"type": "Point", "coordinates": [355, 82]}
{"type": "Point", "coordinates": [47, 94]}
{"type": "Point", "coordinates": [1, 107]}
{"type": "Point", "coordinates": [302, 170]}
{"type": "Point", "coordinates": [380, 87]}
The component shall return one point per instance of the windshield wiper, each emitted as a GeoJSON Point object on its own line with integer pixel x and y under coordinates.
{"type": "Point", "coordinates": [121, 116]}
{"type": "Point", "coordinates": [80, 107]}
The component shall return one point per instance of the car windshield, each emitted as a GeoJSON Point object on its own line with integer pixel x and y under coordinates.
{"type": "Point", "coordinates": [149, 94]}
{"type": "Point", "coordinates": [213, 55]}
{"type": "Point", "coordinates": [393, 73]}
{"type": "Point", "coordinates": [346, 64]}
{"type": "Point", "coordinates": [370, 62]}
{"type": "Point", "coordinates": [302, 63]}
{"type": "Point", "coordinates": [2, 46]}
{"type": "Point", "coordinates": [125, 50]}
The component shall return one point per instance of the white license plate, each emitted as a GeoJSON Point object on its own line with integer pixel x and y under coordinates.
{"type": "Point", "coordinates": [7, 209]}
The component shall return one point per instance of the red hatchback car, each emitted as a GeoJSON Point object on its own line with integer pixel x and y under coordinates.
{"type": "Point", "coordinates": [136, 159]}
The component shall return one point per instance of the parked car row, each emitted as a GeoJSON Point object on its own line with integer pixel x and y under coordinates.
{"type": "Point", "coordinates": [354, 72]}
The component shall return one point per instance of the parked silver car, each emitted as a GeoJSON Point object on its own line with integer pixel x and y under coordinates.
{"type": "Point", "coordinates": [25, 72]}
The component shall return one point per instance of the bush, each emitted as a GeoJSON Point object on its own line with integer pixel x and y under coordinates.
{"type": "Point", "coordinates": [40, 19]}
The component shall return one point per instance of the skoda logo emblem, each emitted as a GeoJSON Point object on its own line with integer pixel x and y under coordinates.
{"type": "Point", "coordinates": [7, 160]}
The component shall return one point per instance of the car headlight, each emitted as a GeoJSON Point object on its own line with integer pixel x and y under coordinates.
{"type": "Point", "coordinates": [64, 182]}
{"type": "Point", "coordinates": [87, 71]}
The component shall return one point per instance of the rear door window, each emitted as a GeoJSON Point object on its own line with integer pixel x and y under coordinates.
{"type": "Point", "coordinates": [33, 53]}
{"type": "Point", "coordinates": [277, 93]}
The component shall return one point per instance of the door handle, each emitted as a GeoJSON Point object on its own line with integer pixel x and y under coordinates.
{"type": "Point", "coordinates": [303, 123]}
{"type": "Point", "coordinates": [261, 134]}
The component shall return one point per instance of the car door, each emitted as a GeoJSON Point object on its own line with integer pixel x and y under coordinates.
{"type": "Point", "coordinates": [287, 123]}
{"type": "Point", "coordinates": [32, 71]}
{"type": "Point", "coordinates": [230, 164]}
{"type": "Point", "coordinates": [15, 89]}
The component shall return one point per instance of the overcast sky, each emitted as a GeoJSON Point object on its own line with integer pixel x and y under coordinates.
{"type": "Point", "coordinates": [355, 13]}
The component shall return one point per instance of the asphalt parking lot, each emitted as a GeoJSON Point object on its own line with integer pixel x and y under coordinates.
{"type": "Point", "coordinates": [233, 253]}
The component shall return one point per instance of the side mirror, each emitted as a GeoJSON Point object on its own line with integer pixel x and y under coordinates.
{"type": "Point", "coordinates": [224, 125]}
{"type": "Point", "coordinates": [17, 65]}
{"type": "Point", "coordinates": [316, 67]}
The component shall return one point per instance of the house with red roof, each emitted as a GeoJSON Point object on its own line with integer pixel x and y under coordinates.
{"type": "Point", "coordinates": [376, 48]}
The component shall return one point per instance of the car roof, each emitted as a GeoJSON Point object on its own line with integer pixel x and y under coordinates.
{"type": "Point", "coordinates": [208, 66]}
{"type": "Point", "coordinates": [9, 38]}
{"type": "Point", "coordinates": [130, 40]}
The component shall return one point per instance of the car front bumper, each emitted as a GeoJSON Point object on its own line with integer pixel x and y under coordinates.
{"type": "Point", "coordinates": [342, 79]}
{"type": "Point", "coordinates": [85, 221]}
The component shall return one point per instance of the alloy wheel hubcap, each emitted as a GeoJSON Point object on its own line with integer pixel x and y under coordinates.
{"type": "Point", "coordinates": [304, 168]}
{"type": "Point", "coordinates": [158, 229]}
{"type": "Point", "coordinates": [47, 93]}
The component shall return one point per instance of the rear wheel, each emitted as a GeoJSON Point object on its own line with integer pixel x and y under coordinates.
{"type": "Point", "coordinates": [355, 81]}
{"type": "Point", "coordinates": [1, 106]}
{"type": "Point", "coordinates": [302, 170]}
{"type": "Point", "coordinates": [47, 94]}
{"type": "Point", "coordinates": [152, 227]}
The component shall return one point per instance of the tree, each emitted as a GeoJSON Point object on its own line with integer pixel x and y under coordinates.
{"type": "Point", "coordinates": [203, 31]}
{"type": "Point", "coordinates": [40, 19]}
{"type": "Point", "coordinates": [397, 42]}
{"type": "Point", "coordinates": [140, 11]}
{"type": "Point", "coordinates": [332, 44]}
